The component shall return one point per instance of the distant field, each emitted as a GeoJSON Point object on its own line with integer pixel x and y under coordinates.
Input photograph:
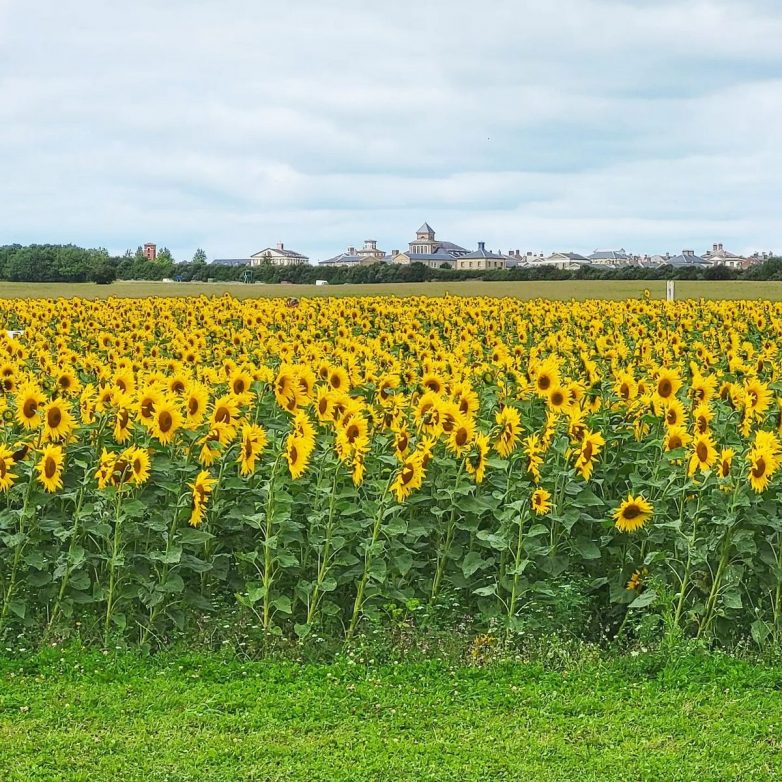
{"type": "Point", "coordinates": [567, 289]}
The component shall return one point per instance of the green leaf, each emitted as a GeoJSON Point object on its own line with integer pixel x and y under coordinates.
{"type": "Point", "coordinates": [586, 498]}
{"type": "Point", "coordinates": [174, 584]}
{"type": "Point", "coordinates": [472, 562]}
{"type": "Point", "coordinates": [193, 536]}
{"type": "Point", "coordinates": [283, 603]}
{"type": "Point", "coordinates": [760, 631]}
{"type": "Point", "coordinates": [732, 599]}
{"type": "Point", "coordinates": [644, 599]}
{"type": "Point", "coordinates": [587, 548]}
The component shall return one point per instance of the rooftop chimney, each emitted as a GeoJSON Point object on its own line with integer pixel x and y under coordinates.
{"type": "Point", "coordinates": [280, 246]}
{"type": "Point", "coordinates": [481, 246]}
{"type": "Point", "coordinates": [351, 250]}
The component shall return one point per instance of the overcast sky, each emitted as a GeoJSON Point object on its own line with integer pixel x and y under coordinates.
{"type": "Point", "coordinates": [530, 124]}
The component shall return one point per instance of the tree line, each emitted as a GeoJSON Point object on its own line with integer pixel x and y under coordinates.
{"type": "Point", "coordinates": [69, 263]}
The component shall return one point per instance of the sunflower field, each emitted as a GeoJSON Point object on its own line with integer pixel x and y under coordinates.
{"type": "Point", "coordinates": [312, 464]}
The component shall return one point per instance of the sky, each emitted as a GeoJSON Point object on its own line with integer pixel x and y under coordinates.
{"type": "Point", "coordinates": [537, 125]}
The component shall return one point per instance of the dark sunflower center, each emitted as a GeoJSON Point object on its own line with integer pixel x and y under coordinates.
{"type": "Point", "coordinates": [664, 388]}
{"type": "Point", "coordinates": [632, 511]}
{"type": "Point", "coordinates": [702, 451]}
{"type": "Point", "coordinates": [759, 470]}
{"type": "Point", "coordinates": [30, 408]}
{"type": "Point", "coordinates": [49, 467]}
{"type": "Point", "coordinates": [165, 421]}
{"type": "Point", "coordinates": [53, 417]}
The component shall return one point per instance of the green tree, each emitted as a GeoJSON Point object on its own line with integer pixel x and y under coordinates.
{"type": "Point", "coordinates": [199, 256]}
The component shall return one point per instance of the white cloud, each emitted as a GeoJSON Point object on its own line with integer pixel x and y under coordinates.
{"type": "Point", "coordinates": [232, 124]}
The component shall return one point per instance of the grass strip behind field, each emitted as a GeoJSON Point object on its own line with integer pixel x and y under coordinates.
{"type": "Point", "coordinates": [204, 718]}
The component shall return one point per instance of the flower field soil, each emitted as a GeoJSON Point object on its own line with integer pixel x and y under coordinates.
{"type": "Point", "coordinates": [313, 465]}
{"type": "Point", "coordinates": [74, 717]}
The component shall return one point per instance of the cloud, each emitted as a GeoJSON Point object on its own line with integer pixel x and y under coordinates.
{"type": "Point", "coordinates": [234, 124]}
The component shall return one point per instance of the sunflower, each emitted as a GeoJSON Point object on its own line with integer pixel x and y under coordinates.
{"type": "Point", "coordinates": [557, 398]}
{"type": "Point", "coordinates": [703, 416]}
{"type": "Point", "coordinates": [194, 403]}
{"type": "Point", "coordinates": [297, 454]}
{"type": "Point", "coordinates": [225, 411]}
{"type": "Point", "coordinates": [762, 465]}
{"type": "Point", "coordinates": [352, 436]}
{"type": "Point", "coordinates": [122, 421]}
{"type": "Point", "coordinates": [7, 476]}
{"type": "Point", "coordinates": [147, 401]}
{"type": "Point", "coordinates": [461, 435]}
{"type": "Point", "coordinates": [449, 416]}
{"type": "Point", "coordinates": [254, 440]}
{"type": "Point", "coordinates": [140, 465]}
{"type": "Point", "coordinates": [676, 437]}
{"type": "Point", "coordinates": [674, 413]}
{"type": "Point", "coordinates": [625, 387]}
{"type": "Point", "coordinates": [475, 462]}
{"type": "Point", "coordinates": [58, 422]}
{"type": "Point", "coordinates": [401, 444]}
{"type": "Point", "coordinates": [666, 385]}
{"type": "Point", "coordinates": [409, 477]}
{"type": "Point", "coordinates": [427, 413]}
{"type": "Point", "coordinates": [546, 376]}
{"type": "Point", "coordinates": [757, 397]}
{"type": "Point", "coordinates": [28, 402]}
{"type": "Point", "coordinates": [240, 384]}
{"type": "Point", "coordinates": [50, 467]}
{"type": "Point", "coordinates": [166, 420]}
{"type": "Point", "coordinates": [534, 450]}
{"type": "Point", "coordinates": [509, 421]}
{"type": "Point", "coordinates": [541, 501]}
{"type": "Point", "coordinates": [704, 454]}
{"type": "Point", "coordinates": [338, 379]}
{"type": "Point", "coordinates": [632, 513]}
{"type": "Point", "coordinates": [67, 382]}
{"type": "Point", "coordinates": [324, 404]}
{"type": "Point", "coordinates": [725, 462]}
{"type": "Point", "coordinates": [202, 488]}
{"type": "Point", "coordinates": [637, 579]}
{"type": "Point", "coordinates": [105, 469]}
{"type": "Point", "coordinates": [591, 445]}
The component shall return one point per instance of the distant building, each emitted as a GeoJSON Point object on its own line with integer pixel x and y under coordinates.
{"type": "Point", "coordinates": [428, 250]}
{"type": "Point", "coordinates": [719, 256]}
{"type": "Point", "coordinates": [367, 254]}
{"type": "Point", "coordinates": [568, 261]}
{"type": "Point", "coordinates": [150, 251]}
{"type": "Point", "coordinates": [480, 259]}
{"type": "Point", "coordinates": [610, 257]}
{"type": "Point", "coordinates": [688, 258]}
{"type": "Point", "coordinates": [516, 258]}
{"type": "Point", "coordinates": [278, 256]}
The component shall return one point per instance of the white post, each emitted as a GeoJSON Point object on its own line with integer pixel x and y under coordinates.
{"type": "Point", "coordinates": [669, 291]}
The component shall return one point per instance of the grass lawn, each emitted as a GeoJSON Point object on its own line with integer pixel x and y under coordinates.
{"type": "Point", "coordinates": [566, 289]}
{"type": "Point", "coordinates": [89, 717]}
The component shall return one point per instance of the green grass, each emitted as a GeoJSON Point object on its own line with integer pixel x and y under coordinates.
{"type": "Point", "coordinates": [89, 717]}
{"type": "Point", "coordinates": [566, 289]}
